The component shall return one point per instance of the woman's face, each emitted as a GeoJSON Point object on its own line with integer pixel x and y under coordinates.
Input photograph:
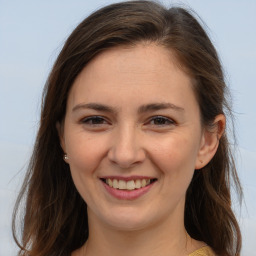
{"type": "Point", "coordinates": [133, 137]}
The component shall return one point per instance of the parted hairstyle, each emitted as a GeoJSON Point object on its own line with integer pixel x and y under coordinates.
{"type": "Point", "coordinates": [54, 218]}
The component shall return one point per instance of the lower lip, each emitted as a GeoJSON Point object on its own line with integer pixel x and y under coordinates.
{"type": "Point", "coordinates": [127, 194]}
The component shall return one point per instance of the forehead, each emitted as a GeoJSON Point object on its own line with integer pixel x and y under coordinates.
{"type": "Point", "coordinates": [143, 58]}
{"type": "Point", "coordinates": [146, 71]}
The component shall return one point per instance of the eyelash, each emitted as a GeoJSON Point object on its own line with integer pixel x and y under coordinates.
{"type": "Point", "coordinates": [91, 119]}
{"type": "Point", "coordinates": [99, 120]}
{"type": "Point", "coordinates": [167, 121]}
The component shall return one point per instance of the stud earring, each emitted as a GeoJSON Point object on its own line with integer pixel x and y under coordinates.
{"type": "Point", "coordinates": [65, 157]}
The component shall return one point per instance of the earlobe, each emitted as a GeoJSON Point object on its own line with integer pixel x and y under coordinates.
{"type": "Point", "coordinates": [210, 141]}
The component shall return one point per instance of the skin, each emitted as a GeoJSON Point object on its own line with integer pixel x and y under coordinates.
{"type": "Point", "coordinates": [167, 144]}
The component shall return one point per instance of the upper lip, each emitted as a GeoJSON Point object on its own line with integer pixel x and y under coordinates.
{"type": "Point", "coordinates": [134, 177]}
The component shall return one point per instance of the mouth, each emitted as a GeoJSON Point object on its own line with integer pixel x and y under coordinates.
{"type": "Point", "coordinates": [128, 185]}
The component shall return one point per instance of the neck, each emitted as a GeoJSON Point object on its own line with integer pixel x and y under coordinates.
{"type": "Point", "coordinates": [138, 243]}
{"type": "Point", "coordinates": [166, 238]}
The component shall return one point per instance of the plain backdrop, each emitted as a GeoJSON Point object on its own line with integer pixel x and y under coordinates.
{"type": "Point", "coordinates": [31, 36]}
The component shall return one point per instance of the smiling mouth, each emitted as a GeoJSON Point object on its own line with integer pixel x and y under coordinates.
{"type": "Point", "coordinates": [128, 185]}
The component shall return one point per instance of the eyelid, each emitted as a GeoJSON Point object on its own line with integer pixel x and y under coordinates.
{"type": "Point", "coordinates": [88, 120]}
{"type": "Point", "coordinates": [94, 117]}
{"type": "Point", "coordinates": [170, 120]}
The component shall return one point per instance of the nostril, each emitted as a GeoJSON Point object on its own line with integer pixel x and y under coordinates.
{"type": "Point", "coordinates": [126, 152]}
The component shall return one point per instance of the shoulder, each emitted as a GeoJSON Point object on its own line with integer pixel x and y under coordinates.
{"type": "Point", "coordinates": [204, 251]}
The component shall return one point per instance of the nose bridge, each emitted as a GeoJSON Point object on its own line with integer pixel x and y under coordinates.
{"type": "Point", "coordinates": [126, 149]}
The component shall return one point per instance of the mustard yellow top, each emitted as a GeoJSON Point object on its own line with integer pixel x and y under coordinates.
{"type": "Point", "coordinates": [204, 251]}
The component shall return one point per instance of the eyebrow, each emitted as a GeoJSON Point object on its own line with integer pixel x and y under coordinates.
{"type": "Point", "coordinates": [94, 106]}
{"type": "Point", "coordinates": [142, 109]}
{"type": "Point", "coordinates": [158, 106]}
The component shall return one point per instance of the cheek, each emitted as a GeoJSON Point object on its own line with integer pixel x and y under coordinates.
{"type": "Point", "coordinates": [175, 156]}
{"type": "Point", "coordinates": [85, 152]}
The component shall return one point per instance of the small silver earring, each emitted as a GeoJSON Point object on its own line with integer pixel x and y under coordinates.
{"type": "Point", "coordinates": [65, 157]}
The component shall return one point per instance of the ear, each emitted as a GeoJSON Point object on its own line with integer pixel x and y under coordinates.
{"type": "Point", "coordinates": [60, 130]}
{"type": "Point", "coordinates": [210, 141]}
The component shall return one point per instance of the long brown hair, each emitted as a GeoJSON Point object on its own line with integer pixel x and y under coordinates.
{"type": "Point", "coordinates": [55, 215]}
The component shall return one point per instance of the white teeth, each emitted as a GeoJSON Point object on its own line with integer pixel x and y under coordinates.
{"type": "Point", "coordinates": [130, 185]}
{"type": "Point", "coordinates": [115, 184]}
{"type": "Point", "coordinates": [127, 185]}
{"type": "Point", "coordinates": [143, 183]}
{"type": "Point", "coordinates": [122, 184]}
{"type": "Point", "coordinates": [109, 182]}
{"type": "Point", "coordinates": [137, 184]}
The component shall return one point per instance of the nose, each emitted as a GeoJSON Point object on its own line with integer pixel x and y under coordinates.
{"type": "Point", "coordinates": [126, 148]}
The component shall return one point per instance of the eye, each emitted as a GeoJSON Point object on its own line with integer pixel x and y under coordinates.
{"type": "Point", "coordinates": [94, 120]}
{"type": "Point", "coordinates": [161, 121]}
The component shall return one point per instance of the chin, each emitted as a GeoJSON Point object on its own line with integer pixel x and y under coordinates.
{"type": "Point", "coordinates": [128, 220]}
{"type": "Point", "coordinates": [127, 224]}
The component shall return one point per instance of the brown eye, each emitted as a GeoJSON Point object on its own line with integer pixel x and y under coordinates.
{"type": "Point", "coordinates": [94, 120]}
{"type": "Point", "coordinates": [161, 121]}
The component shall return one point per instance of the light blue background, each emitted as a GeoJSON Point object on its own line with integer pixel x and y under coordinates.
{"type": "Point", "coordinates": [31, 35]}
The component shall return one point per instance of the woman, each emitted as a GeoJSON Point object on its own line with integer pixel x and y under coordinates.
{"type": "Point", "coordinates": [131, 156]}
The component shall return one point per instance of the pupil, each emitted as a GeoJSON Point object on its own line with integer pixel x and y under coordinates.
{"type": "Point", "coordinates": [97, 121]}
{"type": "Point", "coordinates": [159, 121]}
